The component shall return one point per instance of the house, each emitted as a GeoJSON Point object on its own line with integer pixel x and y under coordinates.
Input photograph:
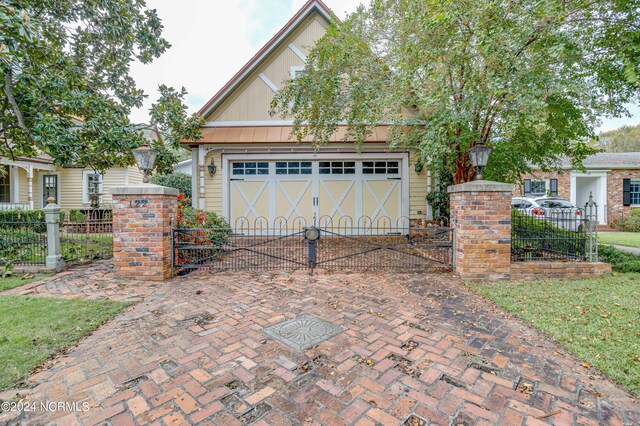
{"type": "Point", "coordinates": [613, 179]}
{"type": "Point", "coordinates": [184, 167]}
{"type": "Point", "coordinates": [26, 183]}
{"type": "Point", "coordinates": [247, 166]}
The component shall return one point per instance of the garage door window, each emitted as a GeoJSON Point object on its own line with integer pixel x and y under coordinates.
{"type": "Point", "coordinates": [250, 168]}
{"type": "Point", "coordinates": [337, 168]}
{"type": "Point", "coordinates": [380, 168]}
{"type": "Point", "coordinates": [293, 167]}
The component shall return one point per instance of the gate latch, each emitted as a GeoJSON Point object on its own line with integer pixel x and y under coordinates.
{"type": "Point", "coordinates": [312, 236]}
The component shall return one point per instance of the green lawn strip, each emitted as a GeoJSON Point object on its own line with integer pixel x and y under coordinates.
{"type": "Point", "coordinates": [34, 329]}
{"type": "Point", "coordinates": [629, 239]}
{"type": "Point", "coordinates": [619, 260]}
{"type": "Point", "coordinates": [17, 280]}
{"type": "Point", "coordinates": [598, 320]}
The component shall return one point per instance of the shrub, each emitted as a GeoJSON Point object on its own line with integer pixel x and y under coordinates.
{"type": "Point", "coordinates": [630, 223]}
{"type": "Point", "coordinates": [76, 215]}
{"type": "Point", "coordinates": [619, 260]}
{"type": "Point", "coordinates": [210, 231]}
{"type": "Point", "coordinates": [634, 213]}
{"type": "Point", "coordinates": [540, 239]}
{"type": "Point", "coordinates": [179, 181]}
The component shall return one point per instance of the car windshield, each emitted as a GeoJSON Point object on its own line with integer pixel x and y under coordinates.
{"type": "Point", "coordinates": [556, 204]}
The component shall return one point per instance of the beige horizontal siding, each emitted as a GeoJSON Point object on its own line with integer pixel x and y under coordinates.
{"type": "Point", "coordinates": [417, 190]}
{"type": "Point", "coordinates": [213, 185]}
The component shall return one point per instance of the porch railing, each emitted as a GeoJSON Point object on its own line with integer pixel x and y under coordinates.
{"type": "Point", "coordinates": [14, 206]}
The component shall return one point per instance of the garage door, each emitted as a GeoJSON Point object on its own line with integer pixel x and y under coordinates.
{"type": "Point", "coordinates": [344, 192]}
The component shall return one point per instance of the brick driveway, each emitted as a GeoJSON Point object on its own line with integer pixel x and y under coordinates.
{"type": "Point", "coordinates": [412, 347]}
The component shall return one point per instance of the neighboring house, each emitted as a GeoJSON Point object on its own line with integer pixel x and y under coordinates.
{"type": "Point", "coordinates": [612, 178]}
{"type": "Point", "coordinates": [27, 183]}
{"type": "Point", "coordinates": [260, 171]}
{"type": "Point", "coordinates": [184, 167]}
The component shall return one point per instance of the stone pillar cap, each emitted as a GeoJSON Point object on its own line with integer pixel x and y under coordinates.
{"type": "Point", "coordinates": [481, 186]}
{"type": "Point", "coordinates": [144, 189]}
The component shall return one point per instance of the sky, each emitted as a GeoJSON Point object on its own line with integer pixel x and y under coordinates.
{"type": "Point", "coordinates": [212, 39]}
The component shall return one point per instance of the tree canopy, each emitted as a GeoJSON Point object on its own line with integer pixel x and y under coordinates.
{"type": "Point", "coordinates": [624, 139]}
{"type": "Point", "coordinates": [66, 88]}
{"type": "Point", "coordinates": [528, 77]}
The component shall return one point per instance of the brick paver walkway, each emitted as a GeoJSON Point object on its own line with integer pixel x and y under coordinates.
{"type": "Point", "coordinates": [413, 349]}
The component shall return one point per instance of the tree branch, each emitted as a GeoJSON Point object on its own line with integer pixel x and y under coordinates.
{"type": "Point", "coordinates": [8, 90]}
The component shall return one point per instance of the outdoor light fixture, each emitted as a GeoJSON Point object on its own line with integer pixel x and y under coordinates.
{"type": "Point", "coordinates": [418, 166]}
{"type": "Point", "coordinates": [212, 168]}
{"type": "Point", "coordinates": [145, 159]}
{"type": "Point", "coordinates": [479, 155]}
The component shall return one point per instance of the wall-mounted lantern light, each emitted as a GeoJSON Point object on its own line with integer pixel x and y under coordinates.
{"type": "Point", "coordinates": [479, 156]}
{"type": "Point", "coordinates": [418, 167]}
{"type": "Point", "coordinates": [145, 159]}
{"type": "Point", "coordinates": [212, 168]}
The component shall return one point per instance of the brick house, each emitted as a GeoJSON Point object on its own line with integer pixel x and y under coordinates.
{"type": "Point", "coordinates": [612, 178]}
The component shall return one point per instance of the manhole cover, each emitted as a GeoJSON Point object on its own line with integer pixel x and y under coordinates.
{"type": "Point", "coordinates": [303, 332]}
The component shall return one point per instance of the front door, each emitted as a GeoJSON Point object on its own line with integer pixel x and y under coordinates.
{"type": "Point", "coordinates": [49, 188]}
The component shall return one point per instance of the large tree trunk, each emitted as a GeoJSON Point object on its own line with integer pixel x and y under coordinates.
{"type": "Point", "coordinates": [463, 171]}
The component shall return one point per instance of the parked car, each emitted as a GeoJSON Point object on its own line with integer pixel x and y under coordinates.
{"type": "Point", "coordinates": [561, 213]}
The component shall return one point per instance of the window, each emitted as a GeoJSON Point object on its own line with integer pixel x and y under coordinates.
{"type": "Point", "coordinates": [293, 167]}
{"type": "Point", "coordinates": [538, 187]}
{"type": "Point", "coordinates": [49, 188]}
{"type": "Point", "coordinates": [296, 71]}
{"type": "Point", "coordinates": [520, 204]}
{"type": "Point", "coordinates": [5, 186]}
{"type": "Point", "coordinates": [380, 167]}
{"type": "Point", "coordinates": [91, 184]}
{"type": "Point", "coordinates": [556, 204]}
{"type": "Point", "coordinates": [337, 168]}
{"type": "Point", "coordinates": [634, 192]}
{"type": "Point", "coordinates": [250, 168]}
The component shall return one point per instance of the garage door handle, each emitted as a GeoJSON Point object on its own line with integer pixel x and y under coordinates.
{"type": "Point", "coordinates": [394, 178]}
{"type": "Point", "coordinates": [237, 180]}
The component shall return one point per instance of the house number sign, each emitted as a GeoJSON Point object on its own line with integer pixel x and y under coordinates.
{"type": "Point", "coordinates": [139, 202]}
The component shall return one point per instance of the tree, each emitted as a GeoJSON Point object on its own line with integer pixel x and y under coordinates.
{"type": "Point", "coordinates": [66, 88]}
{"type": "Point", "coordinates": [527, 77]}
{"type": "Point", "coordinates": [624, 139]}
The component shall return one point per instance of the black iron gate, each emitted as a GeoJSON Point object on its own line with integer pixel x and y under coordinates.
{"type": "Point", "coordinates": [364, 247]}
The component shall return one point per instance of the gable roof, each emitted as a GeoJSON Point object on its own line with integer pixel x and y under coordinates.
{"type": "Point", "coordinates": [309, 7]}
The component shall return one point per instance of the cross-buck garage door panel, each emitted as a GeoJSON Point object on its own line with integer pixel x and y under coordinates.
{"type": "Point", "coordinates": [341, 192]}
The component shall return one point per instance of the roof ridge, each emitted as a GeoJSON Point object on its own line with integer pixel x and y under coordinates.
{"type": "Point", "coordinates": [308, 7]}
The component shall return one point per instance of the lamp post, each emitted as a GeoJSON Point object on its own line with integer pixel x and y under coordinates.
{"type": "Point", "coordinates": [145, 159]}
{"type": "Point", "coordinates": [479, 155]}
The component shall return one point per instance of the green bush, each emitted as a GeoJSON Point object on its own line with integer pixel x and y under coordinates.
{"type": "Point", "coordinates": [76, 215]}
{"type": "Point", "coordinates": [539, 239]}
{"type": "Point", "coordinates": [629, 223]}
{"type": "Point", "coordinates": [634, 213]}
{"type": "Point", "coordinates": [179, 181]}
{"type": "Point", "coordinates": [619, 260]}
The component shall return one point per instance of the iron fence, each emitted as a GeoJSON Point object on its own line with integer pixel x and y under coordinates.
{"type": "Point", "coordinates": [23, 237]}
{"type": "Point", "coordinates": [86, 235]}
{"type": "Point", "coordinates": [554, 234]}
{"type": "Point", "coordinates": [344, 244]}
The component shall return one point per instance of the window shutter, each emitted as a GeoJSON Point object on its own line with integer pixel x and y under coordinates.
{"type": "Point", "coordinates": [527, 187]}
{"type": "Point", "coordinates": [553, 183]}
{"type": "Point", "coordinates": [626, 192]}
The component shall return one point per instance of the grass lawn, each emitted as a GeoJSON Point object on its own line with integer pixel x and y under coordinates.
{"type": "Point", "coordinates": [33, 329]}
{"type": "Point", "coordinates": [597, 320]}
{"type": "Point", "coordinates": [17, 280]}
{"type": "Point", "coordinates": [629, 239]}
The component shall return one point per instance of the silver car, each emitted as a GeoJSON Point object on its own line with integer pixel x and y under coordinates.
{"type": "Point", "coordinates": [561, 213]}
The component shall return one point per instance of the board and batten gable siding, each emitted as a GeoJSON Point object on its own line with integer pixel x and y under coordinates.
{"type": "Point", "coordinates": [251, 101]}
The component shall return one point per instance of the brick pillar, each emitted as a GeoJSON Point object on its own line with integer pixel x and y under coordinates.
{"type": "Point", "coordinates": [481, 216]}
{"type": "Point", "coordinates": [142, 219]}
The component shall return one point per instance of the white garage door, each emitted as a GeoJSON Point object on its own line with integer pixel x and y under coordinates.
{"type": "Point", "coordinates": [337, 192]}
